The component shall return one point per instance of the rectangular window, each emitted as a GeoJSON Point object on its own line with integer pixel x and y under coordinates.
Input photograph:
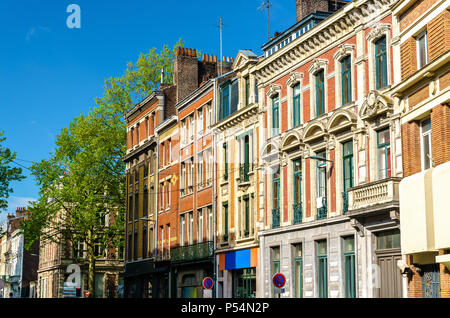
{"type": "Point", "coordinates": [422, 50]}
{"type": "Point", "coordinates": [225, 102]}
{"type": "Point", "coordinates": [130, 247]}
{"type": "Point", "coordinates": [276, 115]}
{"type": "Point", "coordinates": [349, 267]}
{"type": "Point", "coordinates": [225, 220]}
{"type": "Point", "coordinates": [200, 226]}
{"type": "Point", "coordinates": [136, 205]}
{"type": "Point", "coordinates": [138, 139]}
{"type": "Point", "coordinates": [191, 176]}
{"type": "Point", "coordinates": [246, 216]}
{"type": "Point", "coordinates": [209, 118]}
{"type": "Point", "coordinates": [296, 104]}
{"type": "Point", "coordinates": [132, 137]}
{"type": "Point", "coordinates": [320, 93]}
{"type": "Point", "coordinates": [209, 167]}
{"type": "Point", "coordinates": [276, 197]}
{"type": "Point", "coordinates": [191, 128]}
{"type": "Point", "coordinates": [182, 229]}
{"type": "Point", "coordinates": [183, 133]}
{"type": "Point", "coordinates": [145, 211]}
{"type": "Point", "coordinates": [347, 150]}
{"type": "Point", "coordinates": [322, 268]}
{"type": "Point", "coordinates": [381, 63]}
{"type": "Point", "coordinates": [200, 170]}
{"type": "Point", "coordinates": [146, 127]}
{"type": "Point", "coordinates": [225, 161]}
{"type": "Point", "coordinates": [346, 80]}
{"type": "Point", "coordinates": [191, 228]}
{"type": "Point", "coordinates": [298, 271]}
{"type": "Point", "coordinates": [135, 244]}
{"type": "Point", "coordinates": [130, 207]}
{"type": "Point", "coordinates": [256, 91]}
{"type": "Point", "coordinates": [144, 242]}
{"type": "Point", "coordinates": [183, 178]}
{"type": "Point", "coordinates": [388, 240]}
{"type": "Point", "coordinates": [425, 130]}
{"type": "Point", "coordinates": [384, 154]}
{"type": "Point", "coordinates": [200, 122]}
{"type": "Point", "coordinates": [247, 90]}
{"type": "Point", "coordinates": [210, 228]}
{"type": "Point", "coordinates": [276, 265]}
{"type": "Point", "coordinates": [321, 175]}
{"type": "Point", "coordinates": [297, 205]}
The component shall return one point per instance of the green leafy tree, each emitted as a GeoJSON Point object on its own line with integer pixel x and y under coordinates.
{"type": "Point", "coordinates": [81, 201]}
{"type": "Point", "coordinates": [7, 172]}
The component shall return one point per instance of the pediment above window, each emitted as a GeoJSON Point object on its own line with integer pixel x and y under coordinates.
{"type": "Point", "coordinates": [273, 90]}
{"type": "Point", "coordinates": [317, 65]}
{"type": "Point", "coordinates": [294, 79]}
{"type": "Point", "coordinates": [377, 31]}
{"type": "Point", "coordinates": [343, 51]}
{"type": "Point", "coordinates": [375, 104]}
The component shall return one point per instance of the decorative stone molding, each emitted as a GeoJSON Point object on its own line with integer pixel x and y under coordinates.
{"type": "Point", "coordinates": [273, 90]}
{"type": "Point", "coordinates": [335, 123]}
{"type": "Point", "coordinates": [357, 226]}
{"type": "Point", "coordinates": [317, 65]}
{"type": "Point", "coordinates": [378, 31]}
{"type": "Point", "coordinates": [375, 104]}
{"type": "Point", "coordinates": [343, 50]}
{"type": "Point", "coordinates": [294, 79]}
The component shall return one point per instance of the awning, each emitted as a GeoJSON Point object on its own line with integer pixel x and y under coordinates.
{"type": "Point", "coordinates": [238, 259]}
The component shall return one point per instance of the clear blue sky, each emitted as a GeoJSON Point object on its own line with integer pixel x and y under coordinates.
{"type": "Point", "coordinates": [50, 74]}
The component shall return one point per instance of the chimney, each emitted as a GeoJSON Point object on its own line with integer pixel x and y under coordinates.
{"type": "Point", "coordinates": [185, 72]}
{"type": "Point", "coordinates": [306, 7]}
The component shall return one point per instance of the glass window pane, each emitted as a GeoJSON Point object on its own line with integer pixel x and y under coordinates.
{"type": "Point", "coordinates": [349, 244]}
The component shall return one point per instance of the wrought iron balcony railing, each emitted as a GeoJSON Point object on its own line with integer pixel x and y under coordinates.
{"type": "Point", "coordinates": [298, 213]}
{"type": "Point", "coordinates": [192, 252]}
{"type": "Point", "coordinates": [275, 218]}
{"type": "Point", "coordinates": [244, 169]}
{"type": "Point", "coordinates": [322, 211]}
{"type": "Point", "coordinates": [344, 202]}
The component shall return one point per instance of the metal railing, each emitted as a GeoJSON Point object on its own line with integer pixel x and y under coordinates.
{"type": "Point", "coordinates": [244, 169]}
{"type": "Point", "coordinates": [275, 218]}
{"type": "Point", "coordinates": [192, 252]}
{"type": "Point", "coordinates": [322, 212]}
{"type": "Point", "coordinates": [298, 213]}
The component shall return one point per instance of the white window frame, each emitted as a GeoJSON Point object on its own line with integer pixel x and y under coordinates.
{"type": "Point", "coordinates": [200, 224]}
{"type": "Point", "coordinates": [424, 34]}
{"type": "Point", "coordinates": [200, 126]}
{"type": "Point", "coordinates": [428, 135]}
{"type": "Point", "coordinates": [200, 170]}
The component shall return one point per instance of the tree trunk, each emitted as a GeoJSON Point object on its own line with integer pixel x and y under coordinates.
{"type": "Point", "coordinates": [91, 273]}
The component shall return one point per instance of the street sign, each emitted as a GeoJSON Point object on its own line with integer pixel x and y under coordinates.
{"type": "Point", "coordinates": [279, 280]}
{"type": "Point", "coordinates": [208, 283]}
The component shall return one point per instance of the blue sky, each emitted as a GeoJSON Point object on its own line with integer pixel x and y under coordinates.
{"type": "Point", "coordinates": [50, 74]}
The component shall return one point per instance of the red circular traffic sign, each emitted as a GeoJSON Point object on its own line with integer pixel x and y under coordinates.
{"type": "Point", "coordinates": [208, 283]}
{"type": "Point", "coordinates": [279, 280]}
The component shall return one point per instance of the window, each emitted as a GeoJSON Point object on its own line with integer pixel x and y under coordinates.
{"type": "Point", "coordinates": [191, 128]}
{"type": "Point", "coordinates": [162, 240]}
{"type": "Point", "coordinates": [183, 178]}
{"type": "Point", "coordinates": [200, 226]}
{"type": "Point", "coordinates": [388, 240]}
{"type": "Point", "coordinates": [225, 218]}
{"type": "Point", "coordinates": [425, 130]}
{"type": "Point", "coordinates": [145, 212]}
{"type": "Point", "coordinates": [130, 246]}
{"type": "Point", "coordinates": [349, 267]}
{"type": "Point", "coordinates": [297, 205]}
{"type": "Point", "coordinates": [296, 104]}
{"type": "Point", "coordinates": [298, 271]}
{"type": "Point", "coordinates": [144, 242]}
{"type": "Point", "coordinates": [322, 268]}
{"type": "Point", "coordinates": [209, 118]}
{"type": "Point", "coordinates": [200, 170]}
{"type": "Point", "coordinates": [182, 229]}
{"type": "Point", "coordinates": [138, 139]}
{"type": "Point", "coordinates": [146, 127]}
{"type": "Point", "coordinates": [130, 207]}
{"type": "Point", "coordinates": [422, 50]}
{"type": "Point", "coordinates": [380, 63]}
{"type": "Point", "coordinates": [210, 226]}
{"type": "Point", "coordinates": [135, 244]}
{"type": "Point", "coordinates": [245, 159]}
{"type": "Point", "coordinates": [247, 90]}
{"type": "Point", "coordinates": [169, 187]}
{"type": "Point", "coordinates": [136, 205]}
{"type": "Point", "coordinates": [200, 122]}
{"type": "Point", "coordinates": [384, 154]}
{"type": "Point", "coordinates": [346, 80]}
{"type": "Point", "coordinates": [276, 198]}
{"type": "Point", "coordinates": [275, 115]}
{"type": "Point", "coordinates": [246, 216]}
{"type": "Point", "coordinates": [225, 160]}
{"type": "Point", "coordinates": [320, 93]}
{"type": "Point", "coordinates": [191, 176]}
{"type": "Point", "coordinates": [132, 137]}
{"type": "Point", "coordinates": [321, 175]}
{"type": "Point", "coordinates": [168, 240]}
{"type": "Point", "coordinates": [276, 265]}
{"type": "Point", "coordinates": [183, 132]}
{"type": "Point", "coordinates": [209, 167]}
{"type": "Point", "coordinates": [256, 91]}
{"type": "Point", "coordinates": [229, 98]}
{"type": "Point", "coordinates": [347, 149]}
{"type": "Point", "coordinates": [191, 228]}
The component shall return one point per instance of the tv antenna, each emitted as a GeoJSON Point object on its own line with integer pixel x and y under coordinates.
{"type": "Point", "coordinates": [220, 26]}
{"type": "Point", "coordinates": [267, 5]}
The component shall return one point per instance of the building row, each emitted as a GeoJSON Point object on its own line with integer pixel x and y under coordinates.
{"type": "Point", "coordinates": [326, 159]}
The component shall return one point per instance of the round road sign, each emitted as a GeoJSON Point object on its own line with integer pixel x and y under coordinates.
{"type": "Point", "coordinates": [208, 283]}
{"type": "Point", "coordinates": [279, 280]}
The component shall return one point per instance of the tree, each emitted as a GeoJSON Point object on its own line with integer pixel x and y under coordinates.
{"type": "Point", "coordinates": [82, 183]}
{"type": "Point", "coordinates": [7, 173]}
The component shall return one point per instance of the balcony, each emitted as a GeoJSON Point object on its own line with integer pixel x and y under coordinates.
{"type": "Point", "coordinates": [244, 169]}
{"type": "Point", "coordinates": [192, 252]}
{"type": "Point", "coordinates": [298, 213]}
{"type": "Point", "coordinates": [374, 196]}
{"type": "Point", "coordinates": [322, 211]}
{"type": "Point", "coordinates": [275, 218]}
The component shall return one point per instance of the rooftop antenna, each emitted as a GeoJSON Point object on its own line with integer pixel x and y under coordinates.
{"type": "Point", "coordinates": [267, 5]}
{"type": "Point", "coordinates": [221, 55]}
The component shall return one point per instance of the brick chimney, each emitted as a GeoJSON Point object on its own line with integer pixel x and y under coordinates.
{"type": "Point", "coordinates": [185, 72]}
{"type": "Point", "coordinates": [306, 7]}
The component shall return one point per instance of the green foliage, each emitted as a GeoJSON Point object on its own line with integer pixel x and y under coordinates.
{"type": "Point", "coordinates": [7, 173]}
